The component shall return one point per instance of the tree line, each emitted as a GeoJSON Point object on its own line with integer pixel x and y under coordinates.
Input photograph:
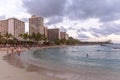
{"type": "Point", "coordinates": [39, 39]}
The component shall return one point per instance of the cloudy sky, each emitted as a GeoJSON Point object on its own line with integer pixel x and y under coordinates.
{"type": "Point", "coordinates": [83, 19]}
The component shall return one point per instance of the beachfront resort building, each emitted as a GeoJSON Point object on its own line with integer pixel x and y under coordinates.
{"type": "Point", "coordinates": [66, 36]}
{"type": "Point", "coordinates": [53, 34]}
{"type": "Point", "coordinates": [36, 25]}
{"type": "Point", "coordinates": [46, 32]}
{"type": "Point", "coordinates": [12, 26]}
{"type": "Point", "coordinates": [63, 35]}
{"type": "Point", "coordinates": [16, 27]}
{"type": "Point", "coordinates": [3, 26]}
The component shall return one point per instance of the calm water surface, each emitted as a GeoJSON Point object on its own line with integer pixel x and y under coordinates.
{"type": "Point", "coordinates": [94, 57]}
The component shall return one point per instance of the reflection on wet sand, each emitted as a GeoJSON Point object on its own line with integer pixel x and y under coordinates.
{"type": "Point", "coordinates": [15, 61]}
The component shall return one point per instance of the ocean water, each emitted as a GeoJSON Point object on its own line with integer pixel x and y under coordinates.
{"type": "Point", "coordinates": [94, 57]}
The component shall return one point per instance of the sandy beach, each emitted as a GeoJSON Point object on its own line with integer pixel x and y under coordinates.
{"type": "Point", "coordinates": [10, 72]}
{"type": "Point", "coordinates": [12, 68]}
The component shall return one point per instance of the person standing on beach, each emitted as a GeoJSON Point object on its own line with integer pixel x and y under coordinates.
{"type": "Point", "coordinates": [7, 48]}
{"type": "Point", "coordinates": [7, 51]}
{"type": "Point", "coordinates": [12, 51]}
{"type": "Point", "coordinates": [19, 51]}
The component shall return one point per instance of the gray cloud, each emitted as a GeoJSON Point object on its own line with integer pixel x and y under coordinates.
{"type": "Point", "coordinates": [105, 10]}
{"type": "Point", "coordinates": [63, 29]}
{"type": "Point", "coordinates": [2, 17]}
{"type": "Point", "coordinates": [55, 10]}
{"type": "Point", "coordinates": [96, 35]}
{"type": "Point", "coordinates": [25, 19]}
{"type": "Point", "coordinates": [83, 36]}
{"type": "Point", "coordinates": [82, 30]}
{"type": "Point", "coordinates": [52, 9]}
{"type": "Point", "coordinates": [104, 30]}
{"type": "Point", "coordinates": [45, 8]}
{"type": "Point", "coordinates": [111, 29]}
{"type": "Point", "coordinates": [71, 28]}
{"type": "Point", "coordinates": [54, 20]}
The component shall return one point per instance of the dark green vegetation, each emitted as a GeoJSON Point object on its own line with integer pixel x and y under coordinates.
{"type": "Point", "coordinates": [72, 41]}
{"type": "Point", "coordinates": [38, 40]}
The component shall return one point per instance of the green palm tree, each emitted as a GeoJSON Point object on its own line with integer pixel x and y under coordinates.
{"type": "Point", "coordinates": [57, 41]}
{"type": "Point", "coordinates": [32, 36]}
{"type": "Point", "coordinates": [8, 36]}
{"type": "Point", "coordinates": [36, 37]}
{"type": "Point", "coordinates": [1, 37]}
{"type": "Point", "coordinates": [45, 39]}
{"type": "Point", "coordinates": [21, 35]}
{"type": "Point", "coordinates": [24, 36]}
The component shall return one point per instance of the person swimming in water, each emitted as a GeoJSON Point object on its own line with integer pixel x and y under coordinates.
{"type": "Point", "coordinates": [87, 55]}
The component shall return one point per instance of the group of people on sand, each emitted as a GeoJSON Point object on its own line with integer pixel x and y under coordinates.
{"type": "Point", "coordinates": [14, 51]}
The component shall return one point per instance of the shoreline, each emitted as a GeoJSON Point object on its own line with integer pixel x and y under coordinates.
{"type": "Point", "coordinates": [42, 73]}
{"type": "Point", "coordinates": [14, 69]}
{"type": "Point", "coordinates": [11, 68]}
{"type": "Point", "coordinates": [41, 47]}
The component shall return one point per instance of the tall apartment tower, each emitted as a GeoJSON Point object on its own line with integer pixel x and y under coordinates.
{"type": "Point", "coordinates": [46, 32]}
{"type": "Point", "coordinates": [66, 36]}
{"type": "Point", "coordinates": [63, 35]}
{"type": "Point", "coordinates": [3, 26]}
{"type": "Point", "coordinates": [36, 25]}
{"type": "Point", "coordinates": [53, 34]}
{"type": "Point", "coordinates": [12, 26]}
{"type": "Point", "coordinates": [16, 27]}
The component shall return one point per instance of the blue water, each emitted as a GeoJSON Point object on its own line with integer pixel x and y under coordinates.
{"type": "Point", "coordinates": [99, 56]}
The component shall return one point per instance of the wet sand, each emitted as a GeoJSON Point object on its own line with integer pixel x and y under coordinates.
{"type": "Point", "coordinates": [16, 72]}
{"type": "Point", "coordinates": [12, 68]}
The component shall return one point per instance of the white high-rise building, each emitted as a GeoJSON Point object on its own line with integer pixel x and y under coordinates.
{"type": "Point", "coordinates": [36, 25]}
{"type": "Point", "coordinates": [12, 26]}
